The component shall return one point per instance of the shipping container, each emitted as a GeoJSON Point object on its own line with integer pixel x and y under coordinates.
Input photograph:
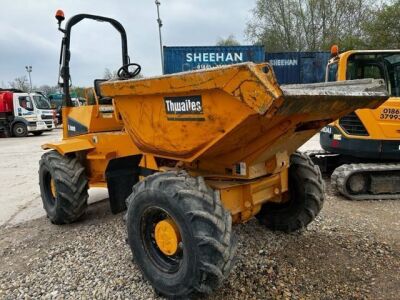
{"type": "Point", "coordinates": [180, 59]}
{"type": "Point", "coordinates": [298, 67]}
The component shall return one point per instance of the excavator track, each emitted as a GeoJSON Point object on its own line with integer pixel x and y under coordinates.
{"type": "Point", "coordinates": [368, 181]}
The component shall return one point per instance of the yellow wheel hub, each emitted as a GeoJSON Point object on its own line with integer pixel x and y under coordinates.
{"type": "Point", "coordinates": [53, 188]}
{"type": "Point", "coordinates": [167, 237]}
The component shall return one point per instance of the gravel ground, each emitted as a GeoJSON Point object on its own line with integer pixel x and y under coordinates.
{"type": "Point", "coordinates": [350, 252]}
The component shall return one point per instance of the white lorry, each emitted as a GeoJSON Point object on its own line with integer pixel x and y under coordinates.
{"type": "Point", "coordinates": [22, 113]}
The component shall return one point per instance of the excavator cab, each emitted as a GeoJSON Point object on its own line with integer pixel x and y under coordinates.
{"type": "Point", "coordinates": [362, 148]}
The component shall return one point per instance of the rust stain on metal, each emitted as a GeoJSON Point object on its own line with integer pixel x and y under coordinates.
{"type": "Point", "coordinates": [244, 113]}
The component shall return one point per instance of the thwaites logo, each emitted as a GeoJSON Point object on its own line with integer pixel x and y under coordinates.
{"type": "Point", "coordinates": [181, 107]}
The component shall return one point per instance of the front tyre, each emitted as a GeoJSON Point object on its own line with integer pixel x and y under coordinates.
{"type": "Point", "coordinates": [63, 187]}
{"type": "Point", "coordinates": [306, 197]}
{"type": "Point", "coordinates": [180, 235]}
{"type": "Point", "coordinates": [20, 130]}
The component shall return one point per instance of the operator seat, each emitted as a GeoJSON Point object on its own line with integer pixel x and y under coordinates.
{"type": "Point", "coordinates": [102, 100]}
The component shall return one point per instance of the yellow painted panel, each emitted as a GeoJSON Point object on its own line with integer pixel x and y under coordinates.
{"type": "Point", "coordinates": [154, 131]}
{"type": "Point", "coordinates": [243, 114]}
{"type": "Point", "coordinates": [382, 123]}
{"type": "Point", "coordinates": [69, 145]}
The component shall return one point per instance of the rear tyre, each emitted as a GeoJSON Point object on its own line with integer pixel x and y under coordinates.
{"type": "Point", "coordinates": [63, 187]}
{"type": "Point", "coordinates": [37, 133]}
{"type": "Point", "coordinates": [206, 245]}
{"type": "Point", "coordinates": [306, 197]}
{"type": "Point", "coordinates": [20, 130]}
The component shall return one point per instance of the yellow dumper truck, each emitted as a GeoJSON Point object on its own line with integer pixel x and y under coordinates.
{"type": "Point", "coordinates": [190, 154]}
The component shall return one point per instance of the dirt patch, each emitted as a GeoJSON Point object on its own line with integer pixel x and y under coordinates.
{"type": "Point", "coordinates": [352, 251]}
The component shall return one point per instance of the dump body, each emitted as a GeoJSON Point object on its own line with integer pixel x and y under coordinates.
{"type": "Point", "coordinates": [232, 114]}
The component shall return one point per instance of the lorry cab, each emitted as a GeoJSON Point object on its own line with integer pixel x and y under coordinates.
{"type": "Point", "coordinates": [28, 113]}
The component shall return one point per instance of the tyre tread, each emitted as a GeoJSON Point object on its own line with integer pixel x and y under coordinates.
{"type": "Point", "coordinates": [69, 173]}
{"type": "Point", "coordinates": [203, 209]}
{"type": "Point", "coordinates": [313, 188]}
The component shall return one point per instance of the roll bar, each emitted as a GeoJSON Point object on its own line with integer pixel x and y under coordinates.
{"type": "Point", "coordinates": [65, 53]}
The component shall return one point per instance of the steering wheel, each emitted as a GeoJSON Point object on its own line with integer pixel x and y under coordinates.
{"type": "Point", "coordinates": [125, 73]}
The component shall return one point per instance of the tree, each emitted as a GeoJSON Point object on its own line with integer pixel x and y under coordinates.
{"type": "Point", "coordinates": [108, 74]}
{"type": "Point", "coordinates": [20, 83]}
{"type": "Point", "coordinates": [78, 91]}
{"type": "Point", "coordinates": [309, 25]}
{"type": "Point", "coordinates": [47, 89]}
{"type": "Point", "coordinates": [383, 31]}
{"type": "Point", "coordinates": [229, 41]}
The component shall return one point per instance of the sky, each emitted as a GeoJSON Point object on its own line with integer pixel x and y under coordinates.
{"type": "Point", "coordinates": [29, 35]}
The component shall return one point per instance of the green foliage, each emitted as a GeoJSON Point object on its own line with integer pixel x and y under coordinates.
{"type": "Point", "coordinates": [383, 30]}
{"type": "Point", "coordinates": [229, 41]}
{"type": "Point", "coordinates": [310, 25]}
{"type": "Point", "coordinates": [47, 89]}
{"type": "Point", "coordinates": [79, 91]}
{"type": "Point", "coordinates": [21, 83]}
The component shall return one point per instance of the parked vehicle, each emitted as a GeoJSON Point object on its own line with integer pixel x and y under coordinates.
{"type": "Point", "coordinates": [362, 148]}
{"type": "Point", "coordinates": [22, 113]}
{"type": "Point", "coordinates": [191, 154]}
{"type": "Point", "coordinates": [56, 102]}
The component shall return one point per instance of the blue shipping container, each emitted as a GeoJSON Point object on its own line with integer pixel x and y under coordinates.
{"type": "Point", "coordinates": [180, 59]}
{"type": "Point", "coordinates": [298, 67]}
